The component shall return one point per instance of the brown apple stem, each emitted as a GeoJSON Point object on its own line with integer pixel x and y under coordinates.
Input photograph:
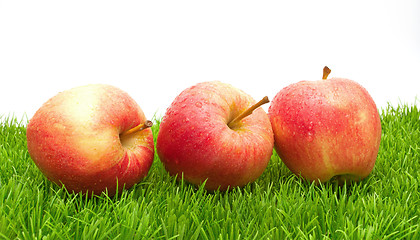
{"type": "Point", "coordinates": [248, 111]}
{"type": "Point", "coordinates": [139, 128]}
{"type": "Point", "coordinates": [326, 72]}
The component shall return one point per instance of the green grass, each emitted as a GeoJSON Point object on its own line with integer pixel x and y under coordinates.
{"type": "Point", "coordinates": [386, 205]}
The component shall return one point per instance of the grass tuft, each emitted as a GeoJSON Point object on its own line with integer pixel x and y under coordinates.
{"type": "Point", "coordinates": [386, 205]}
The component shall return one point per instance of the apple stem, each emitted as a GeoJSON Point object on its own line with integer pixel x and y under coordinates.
{"type": "Point", "coordinates": [248, 111]}
{"type": "Point", "coordinates": [326, 72]}
{"type": "Point", "coordinates": [139, 128]}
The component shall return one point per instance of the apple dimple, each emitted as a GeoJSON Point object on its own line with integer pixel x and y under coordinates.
{"type": "Point", "coordinates": [133, 140]}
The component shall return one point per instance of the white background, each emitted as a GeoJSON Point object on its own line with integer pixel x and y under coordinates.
{"type": "Point", "coordinates": [155, 49]}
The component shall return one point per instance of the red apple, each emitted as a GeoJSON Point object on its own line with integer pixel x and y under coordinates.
{"type": "Point", "coordinates": [207, 135]}
{"type": "Point", "coordinates": [327, 128]}
{"type": "Point", "coordinates": [84, 138]}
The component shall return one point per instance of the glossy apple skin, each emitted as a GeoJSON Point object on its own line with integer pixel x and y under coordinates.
{"type": "Point", "coordinates": [74, 140]}
{"type": "Point", "coordinates": [195, 141]}
{"type": "Point", "coordinates": [326, 128]}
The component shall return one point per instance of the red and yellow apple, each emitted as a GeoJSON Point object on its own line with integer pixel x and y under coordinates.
{"type": "Point", "coordinates": [326, 129]}
{"type": "Point", "coordinates": [215, 133]}
{"type": "Point", "coordinates": [91, 139]}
